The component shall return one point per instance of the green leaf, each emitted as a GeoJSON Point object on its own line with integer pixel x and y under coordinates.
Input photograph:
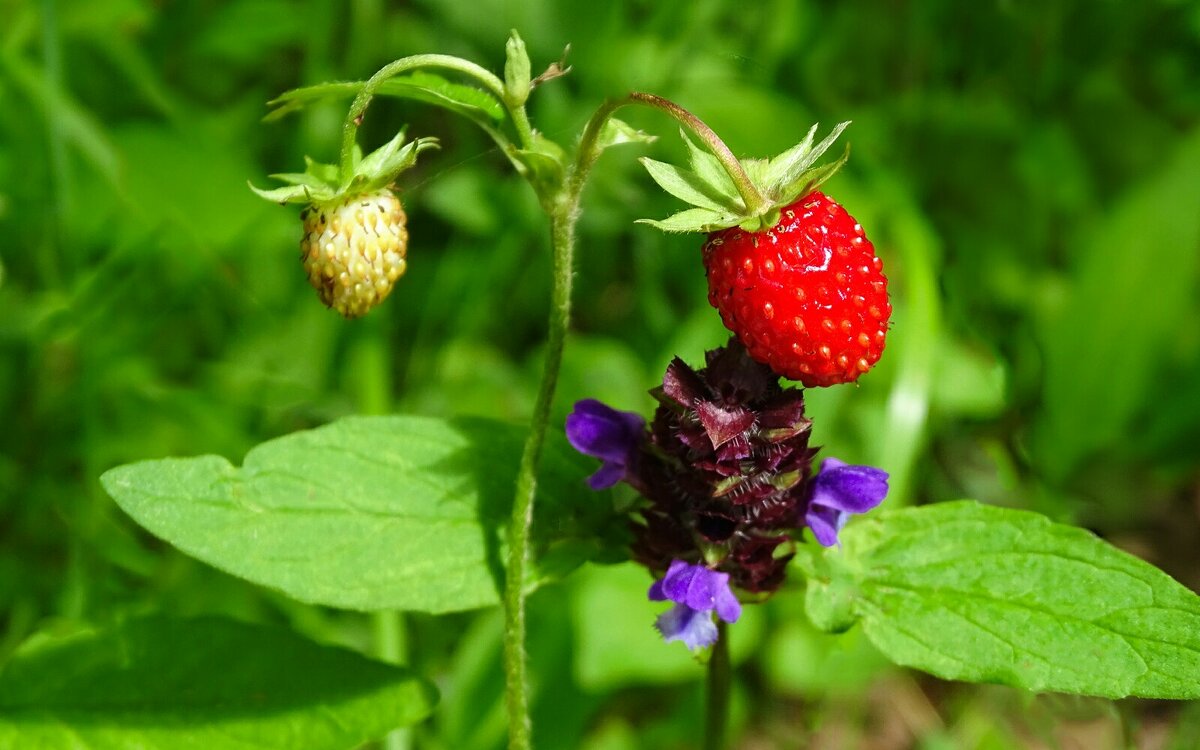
{"type": "Point", "coordinates": [686, 186]}
{"type": "Point", "coordinates": [204, 684]}
{"type": "Point", "coordinates": [366, 513]}
{"type": "Point", "coordinates": [421, 86]}
{"type": "Point", "coordinates": [517, 74]}
{"type": "Point", "coordinates": [694, 220]}
{"type": "Point", "coordinates": [970, 592]}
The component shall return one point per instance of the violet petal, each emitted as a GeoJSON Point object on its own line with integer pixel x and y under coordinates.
{"type": "Point", "coordinates": [682, 623]}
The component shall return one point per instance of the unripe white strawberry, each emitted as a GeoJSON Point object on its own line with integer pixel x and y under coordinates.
{"type": "Point", "coordinates": [354, 250]}
{"type": "Point", "coordinates": [355, 240]}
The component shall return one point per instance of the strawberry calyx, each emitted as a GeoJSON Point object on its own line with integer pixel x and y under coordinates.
{"type": "Point", "coordinates": [323, 183]}
{"type": "Point", "coordinates": [718, 202]}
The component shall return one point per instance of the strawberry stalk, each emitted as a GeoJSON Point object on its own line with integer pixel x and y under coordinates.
{"type": "Point", "coordinates": [756, 204]}
{"type": "Point", "coordinates": [490, 82]}
{"type": "Point", "coordinates": [716, 691]}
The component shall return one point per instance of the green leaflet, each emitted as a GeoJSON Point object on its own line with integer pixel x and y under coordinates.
{"type": "Point", "coordinates": [421, 86]}
{"type": "Point", "coordinates": [369, 513]}
{"type": "Point", "coordinates": [983, 594]}
{"type": "Point", "coordinates": [204, 684]}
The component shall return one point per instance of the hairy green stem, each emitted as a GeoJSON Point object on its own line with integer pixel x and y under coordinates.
{"type": "Point", "coordinates": [486, 78]}
{"type": "Point", "coordinates": [563, 240]}
{"type": "Point", "coordinates": [564, 213]}
{"type": "Point", "coordinates": [720, 679]}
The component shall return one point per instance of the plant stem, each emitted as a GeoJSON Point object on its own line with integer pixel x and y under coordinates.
{"type": "Point", "coordinates": [716, 713]}
{"type": "Point", "coordinates": [390, 646]}
{"type": "Point", "coordinates": [562, 222]}
{"type": "Point", "coordinates": [564, 213]}
{"type": "Point", "coordinates": [754, 200]}
{"type": "Point", "coordinates": [487, 79]}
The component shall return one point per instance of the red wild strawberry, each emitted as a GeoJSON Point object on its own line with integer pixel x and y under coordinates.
{"type": "Point", "coordinates": [807, 297]}
{"type": "Point", "coordinates": [792, 274]}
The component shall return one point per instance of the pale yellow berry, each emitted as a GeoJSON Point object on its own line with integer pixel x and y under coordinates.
{"type": "Point", "coordinates": [354, 250]}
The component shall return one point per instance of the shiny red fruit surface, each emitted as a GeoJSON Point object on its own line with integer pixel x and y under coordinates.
{"type": "Point", "coordinates": [808, 297]}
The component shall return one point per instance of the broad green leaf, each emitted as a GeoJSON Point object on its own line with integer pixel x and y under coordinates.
{"type": "Point", "coordinates": [983, 594]}
{"type": "Point", "coordinates": [368, 513]}
{"type": "Point", "coordinates": [204, 684]}
{"type": "Point", "coordinates": [686, 186]}
{"type": "Point", "coordinates": [426, 87]}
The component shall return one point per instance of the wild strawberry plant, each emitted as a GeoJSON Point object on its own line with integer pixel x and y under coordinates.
{"type": "Point", "coordinates": [730, 497]}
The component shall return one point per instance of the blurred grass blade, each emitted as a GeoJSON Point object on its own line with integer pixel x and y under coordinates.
{"type": "Point", "coordinates": [1131, 287]}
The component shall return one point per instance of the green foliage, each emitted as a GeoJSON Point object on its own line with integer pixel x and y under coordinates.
{"type": "Point", "coordinates": [151, 306]}
{"type": "Point", "coordinates": [206, 683]}
{"type": "Point", "coordinates": [971, 592]}
{"type": "Point", "coordinates": [367, 513]}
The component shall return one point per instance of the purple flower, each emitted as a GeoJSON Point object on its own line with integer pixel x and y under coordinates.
{"type": "Point", "coordinates": [598, 430]}
{"type": "Point", "coordinates": [839, 490]}
{"type": "Point", "coordinates": [697, 591]}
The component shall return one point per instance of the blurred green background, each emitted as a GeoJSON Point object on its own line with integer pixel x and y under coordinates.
{"type": "Point", "coordinates": [1029, 172]}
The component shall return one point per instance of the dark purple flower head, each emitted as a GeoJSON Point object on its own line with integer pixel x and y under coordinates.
{"type": "Point", "coordinates": [839, 490]}
{"type": "Point", "coordinates": [598, 430]}
{"type": "Point", "coordinates": [697, 592]}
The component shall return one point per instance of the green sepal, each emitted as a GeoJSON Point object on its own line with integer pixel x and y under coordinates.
{"type": "Point", "coordinates": [693, 220]}
{"type": "Point", "coordinates": [687, 186]}
{"type": "Point", "coordinates": [761, 223]}
{"type": "Point", "coordinates": [811, 179]}
{"type": "Point", "coordinates": [327, 173]}
{"type": "Point", "coordinates": [518, 76]}
{"type": "Point", "coordinates": [617, 132]}
{"type": "Point", "coordinates": [293, 194]}
{"type": "Point", "coordinates": [786, 170]}
{"type": "Point", "coordinates": [320, 182]}
{"type": "Point", "coordinates": [382, 166]}
{"type": "Point", "coordinates": [708, 168]}
{"type": "Point", "coordinates": [718, 203]}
